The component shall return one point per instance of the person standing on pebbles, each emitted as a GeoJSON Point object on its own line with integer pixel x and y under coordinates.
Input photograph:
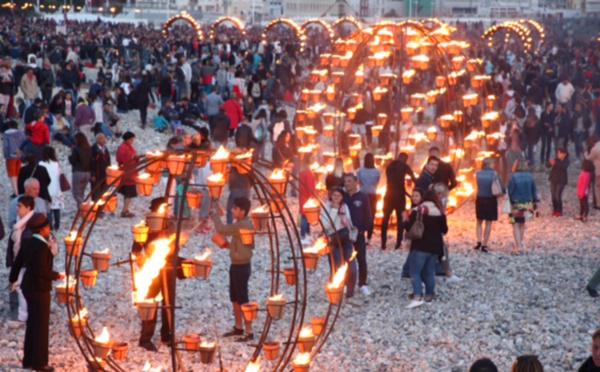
{"type": "Point", "coordinates": [522, 194]}
{"type": "Point", "coordinates": [126, 157]}
{"type": "Point", "coordinates": [240, 268]}
{"type": "Point", "coordinates": [426, 245]}
{"type": "Point", "coordinates": [362, 218]}
{"type": "Point", "coordinates": [592, 364]}
{"type": "Point", "coordinates": [36, 256]}
{"type": "Point", "coordinates": [558, 180]}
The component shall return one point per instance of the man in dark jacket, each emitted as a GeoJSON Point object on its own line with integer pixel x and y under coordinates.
{"type": "Point", "coordinates": [444, 173]}
{"type": "Point", "coordinates": [558, 180]}
{"type": "Point", "coordinates": [592, 364]}
{"type": "Point", "coordinates": [362, 219]}
{"type": "Point", "coordinates": [395, 195]}
{"type": "Point", "coordinates": [426, 178]}
{"type": "Point", "coordinates": [32, 170]}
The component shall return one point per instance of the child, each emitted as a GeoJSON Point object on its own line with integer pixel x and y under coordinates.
{"type": "Point", "coordinates": [583, 188]}
{"type": "Point", "coordinates": [558, 180]}
{"type": "Point", "coordinates": [241, 256]}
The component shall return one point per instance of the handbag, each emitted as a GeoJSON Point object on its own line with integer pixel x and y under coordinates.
{"type": "Point", "coordinates": [416, 230]}
{"type": "Point", "coordinates": [64, 183]}
{"type": "Point", "coordinates": [497, 187]}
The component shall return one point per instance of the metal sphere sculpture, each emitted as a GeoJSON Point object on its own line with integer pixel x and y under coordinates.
{"type": "Point", "coordinates": [296, 342]}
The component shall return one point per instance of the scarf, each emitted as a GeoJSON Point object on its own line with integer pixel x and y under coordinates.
{"type": "Point", "coordinates": [17, 232]}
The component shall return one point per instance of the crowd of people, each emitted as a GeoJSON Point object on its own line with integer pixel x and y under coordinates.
{"type": "Point", "coordinates": [59, 91]}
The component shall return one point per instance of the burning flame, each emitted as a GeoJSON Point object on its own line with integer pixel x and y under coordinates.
{"type": "Point", "coordinates": [82, 314]}
{"type": "Point", "coordinates": [491, 116]}
{"type": "Point", "coordinates": [302, 359]}
{"type": "Point", "coordinates": [253, 366]}
{"type": "Point", "coordinates": [154, 263]}
{"type": "Point", "coordinates": [245, 155]}
{"type": "Point", "coordinates": [311, 204]}
{"type": "Point", "coordinates": [103, 337]}
{"type": "Point", "coordinates": [148, 368]}
{"type": "Point", "coordinates": [162, 209]}
{"type": "Point", "coordinates": [140, 225]}
{"type": "Point", "coordinates": [221, 154]}
{"type": "Point", "coordinates": [154, 154]}
{"type": "Point", "coordinates": [306, 332]}
{"type": "Point", "coordinates": [204, 256]}
{"type": "Point", "coordinates": [320, 244]}
{"type": "Point", "coordinates": [70, 281]}
{"type": "Point", "coordinates": [208, 345]}
{"type": "Point", "coordinates": [261, 210]}
{"type": "Point", "coordinates": [276, 298]}
{"type": "Point", "coordinates": [104, 251]}
{"type": "Point", "coordinates": [278, 174]}
{"type": "Point", "coordinates": [72, 236]}
{"type": "Point", "coordinates": [216, 178]}
{"type": "Point", "coordinates": [338, 277]}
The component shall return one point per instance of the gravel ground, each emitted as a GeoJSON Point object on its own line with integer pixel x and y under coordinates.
{"type": "Point", "coordinates": [505, 306]}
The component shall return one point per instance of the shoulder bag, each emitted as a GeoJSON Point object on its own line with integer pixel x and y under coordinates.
{"type": "Point", "coordinates": [416, 230]}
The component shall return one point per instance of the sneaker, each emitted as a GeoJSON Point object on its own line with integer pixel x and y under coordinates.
{"type": "Point", "coordinates": [478, 246]}
{"type": "Point", "coordinates": [484, 249]}
{"type": "Point", "coordinates": [233, 332]}
{"type": "Point", "coordinates": [365, 290]}
{"type": "Point", "coordinates": [453, 279]}
{"type": "Point", "coordinates": [429, 298]}
{"type": "Point", "coordinates": [415, 303]}
{"type": "Point", "coordinates": [592, 291]}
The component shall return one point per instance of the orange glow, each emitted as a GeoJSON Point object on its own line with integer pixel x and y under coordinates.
{"type": "Point", "coordinates": [103, 337]}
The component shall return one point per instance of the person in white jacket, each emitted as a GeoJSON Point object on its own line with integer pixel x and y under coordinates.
{"type": "Point", "coordinates": [341, 234]}
{"type": "Point", "coordinates": [54, 171]}
{"type": "Point", "coordinates": [564, 91]}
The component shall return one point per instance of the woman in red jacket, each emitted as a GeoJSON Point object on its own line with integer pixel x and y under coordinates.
{"type": "Point", "coordinates": [233, 110]}
{"type": "Point", "coordinates": [127, 159]}
{"type": "Point", "coordinates": [39, 134]}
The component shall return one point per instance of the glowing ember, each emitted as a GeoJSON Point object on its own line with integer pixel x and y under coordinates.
{"type": "Point", "coordinates": [311, 204]}
{"type": "Point", "coordinates": [204, 256]}
{"type": "Point", "coordinates": [278, 174]}
{"type": "Point", "coordinates": [216, 178]}
{"type": "Point", "coordinates": [143, 278]}
{"type": "Point", "coordinates": [208, 345]}
{"type": "Point", "coordinates": [82, 314]}
{"type": "Point", "coordinates": [103, 337]}
{"type": "Point", "coordinates": [253, 366]}
{"type": "Point", "coordinates": [306, 333]}
{"type": "Point", "coordinates": [302, 359]}
{"type": "Point", "coordinates": [221, 154]}
{"type": "Point", "coordinates": [276, 298]}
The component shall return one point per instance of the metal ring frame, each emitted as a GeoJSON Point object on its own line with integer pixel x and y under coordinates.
{"type": "Point", "coordinates": [280, 215]}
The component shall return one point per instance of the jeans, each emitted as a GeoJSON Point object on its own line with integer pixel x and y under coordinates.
{"type": "Point", "coordinates": [234, 194]}
{"type": "Point", "coordinates": [342, 250]}
{"type": "Point", "coordinates": [422, 270]}
{"type": "Point", "coordinates": [360, 245]}
{"type": "Point", "coordinates": [556, 191]}
{"type": "Point", "coordinates": [144, 115]}
{"type": "Point", "coordinates": [546, 149]}
{"type": "Point", "coordinates": [304, 226]}
{"type": "Point", "coordinates": [531, 153]}
{"type": "Point", "coordinates": [389, 205]}
{"type": "Point", "coordinates": [579, 139]}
